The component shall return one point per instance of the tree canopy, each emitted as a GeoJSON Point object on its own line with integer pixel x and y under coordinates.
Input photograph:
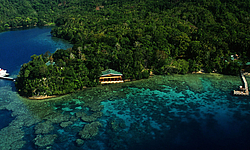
{"type": "Point", "coordinates": [133, 37]}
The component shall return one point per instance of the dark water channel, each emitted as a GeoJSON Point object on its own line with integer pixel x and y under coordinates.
{"type": "Point", "coordinates": [5, 118]}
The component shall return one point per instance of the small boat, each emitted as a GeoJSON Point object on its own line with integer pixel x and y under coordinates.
{"type": "Point", "coordinates": [3, 73]}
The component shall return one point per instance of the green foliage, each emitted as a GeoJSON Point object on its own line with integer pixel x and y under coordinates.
{"type": "Point", "coordinates": [66, 76]}
{"type": "Point", "coordinates": [145, 74]}
{"type": "Point", "coordinates": [134, 36]}
{"type": "Point", "coordinates": [181, 66]}
{"type": "Point", "coordinates": [202, 31]}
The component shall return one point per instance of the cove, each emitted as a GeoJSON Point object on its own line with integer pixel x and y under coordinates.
{"type": "Point", "coordinates": [17, 46]}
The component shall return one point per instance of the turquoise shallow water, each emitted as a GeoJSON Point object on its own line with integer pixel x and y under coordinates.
{"type": "Point", "coordinates": [170, 119]}
{"type": "Point", "coordinates": [164, 112]}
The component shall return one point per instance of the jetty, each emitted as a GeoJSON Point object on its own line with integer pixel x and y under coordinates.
{"type": "Point", "coordinates": [243, 90]}
{"type": "Point", "coordinates": [7, 78]}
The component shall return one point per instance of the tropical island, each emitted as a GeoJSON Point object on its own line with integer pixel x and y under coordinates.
{"type": "Point", "coordinates": [133, 37]}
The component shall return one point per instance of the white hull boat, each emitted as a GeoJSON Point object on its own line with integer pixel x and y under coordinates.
{"type": "Point", "coordinates": [3, 73]}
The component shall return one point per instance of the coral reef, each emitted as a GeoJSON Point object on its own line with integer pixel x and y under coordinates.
{"type": "Point", "coordinates": [73, 118]}
{"type": "Point", "coordinates": [90, 130]}
{"type": "Point", "coordinates": [11, 138]}
{"type": "Point", "coordinates": [116, 124]}
{"type": "Point", "coordinates": [133, 112]}
{"type": "Point", "coordinates": [57, 118]}
{"type": "Point", "coordinates": [96, 107]}
{"type": "Point", "coordinates": [17, 144]}
{"type": "Point", "coordinates": [45, 140]}
{"type": "Point", "coordinates": [44, 128]}
{"type": "Point", "coordinates": [65, 124]}
{"type": "Point", "coordinates": [79, 142]}
{"type": "Point", "coordinates": [87, 118]}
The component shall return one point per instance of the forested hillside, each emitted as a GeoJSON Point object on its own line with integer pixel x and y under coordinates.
{"type": "Point", "coordinates": [162, 35]}
{"type": "Point", "coordinates": [135, 37]}
{"type": "Point", "coordinates": [17, 13]}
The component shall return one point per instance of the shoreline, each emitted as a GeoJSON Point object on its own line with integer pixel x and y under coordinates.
{"type": "Point", "coordinates": [125, 81]}
{"type": "Point", "coordinates": [55, 97]}
{"type": "Point", "coordinates": [42, 97]}
{"type": "Point", "coordinates": [28, 26]}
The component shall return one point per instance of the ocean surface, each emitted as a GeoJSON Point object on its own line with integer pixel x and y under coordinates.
{"type": "Point", "coordinates": [193, 111]}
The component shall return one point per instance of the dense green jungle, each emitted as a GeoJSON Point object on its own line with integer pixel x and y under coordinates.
{"type": "Point", "coordinates": [133, 37]}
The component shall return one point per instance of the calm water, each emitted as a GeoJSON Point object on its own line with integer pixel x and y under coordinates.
{"type": "Point", "coordinates": [163, 112]}
{"type": "Point", "coordinates": [17, 46]}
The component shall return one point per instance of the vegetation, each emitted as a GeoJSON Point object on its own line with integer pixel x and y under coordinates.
{"type": "Point", "coordinates": [41, 76]}
{"type": "Point", "coordinates": [24, 13]}
{"type": "Point", "coordinates": [134, 37]}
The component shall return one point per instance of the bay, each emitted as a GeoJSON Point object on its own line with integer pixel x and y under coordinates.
{"type": "Point", "coordinates": [17, 46]}
{"type": "Point", "coordinates": [193, 111]}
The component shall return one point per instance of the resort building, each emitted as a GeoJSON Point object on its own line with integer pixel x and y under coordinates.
{"type": "Point", "coordinates": [110, 76]}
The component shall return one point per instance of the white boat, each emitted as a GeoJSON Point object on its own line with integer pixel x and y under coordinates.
{"type": "Point", "coordinates": [3, 73]}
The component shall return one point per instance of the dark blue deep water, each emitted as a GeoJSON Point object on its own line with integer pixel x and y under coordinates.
{"type": "Point", "coordinates": [194, 111]}
{"type": "Point", "coordinates": [16, 47]}
{"type": "Point", "coordinates": [5, 118]}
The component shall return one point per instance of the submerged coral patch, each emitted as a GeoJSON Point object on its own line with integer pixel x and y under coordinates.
{"type": "Point", "coordinates": [163, 112]}
{"type": "Point", "coordinates": [90, 130]}
{"type": "Point", "coordinates": [46, 140]}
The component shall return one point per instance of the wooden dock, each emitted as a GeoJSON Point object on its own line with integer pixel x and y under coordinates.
{"type": "Point", "coordinates": [7, 78]}
{"type": "Point", "coordinates": [243, 90]}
